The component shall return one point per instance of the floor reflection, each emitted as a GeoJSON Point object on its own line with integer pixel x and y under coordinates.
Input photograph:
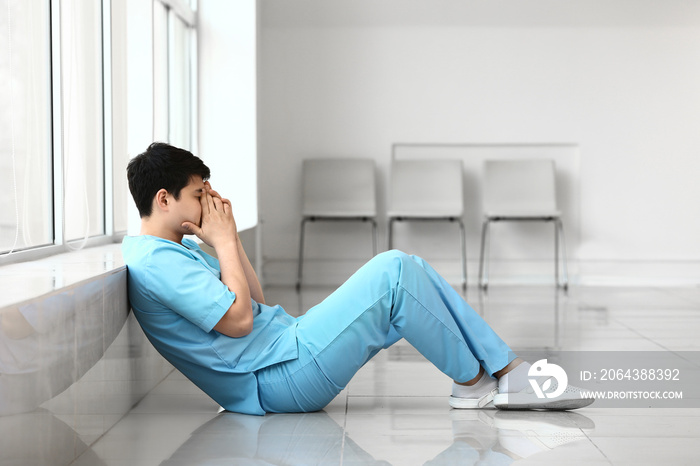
{"type": "Point", "coordinates": [49, 343]}
{"type": "Point", "coordinates": [489, 437]}
{"type": "Point", "coordinates": [52, 441]}
{"type": "Point", "coordinates": [484, 437]}
{"type": "Point", "coordinates": [280, 439]}
{"type": "Point", "coordinates": [548, 306]}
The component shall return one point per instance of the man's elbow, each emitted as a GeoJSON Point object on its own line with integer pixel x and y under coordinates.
{"type": "Point", "coordinates": [245, 326]}
{"type": "Point", "coordinates": [235, 326]}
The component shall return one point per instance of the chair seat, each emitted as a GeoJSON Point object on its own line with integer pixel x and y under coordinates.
{"type": "Point", "coordinates": [423, 214]}
{"type": "Point", "coordinates": [428, 189]}
{"type": "Point", "coordinates": [521, 190]}
{"type": "Point", "coordinates": [334, 190]}
{"type": "Point", "coordinates": [523, 214]}
{"type": "Point", "coordinates": [340, 214]}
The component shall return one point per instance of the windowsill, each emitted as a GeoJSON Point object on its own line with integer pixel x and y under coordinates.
{"type": "Point", "coordinates": [24, 281]}
{"type": "Point", "coordinates": [21, 282]}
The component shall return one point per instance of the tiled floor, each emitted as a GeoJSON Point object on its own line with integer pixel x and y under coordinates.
{"type": "Point", "coordinates": [395, 410]}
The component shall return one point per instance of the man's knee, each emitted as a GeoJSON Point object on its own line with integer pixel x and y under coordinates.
{"type": "Point", "coordinates": [391, 256]}
{"type": "Point", "coordinates": [391, 260]}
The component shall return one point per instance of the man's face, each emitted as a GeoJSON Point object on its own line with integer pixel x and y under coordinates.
{"type": "Point", "coordinates": [188, 207]}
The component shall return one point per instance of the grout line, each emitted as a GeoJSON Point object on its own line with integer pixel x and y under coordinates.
{"type": "Point", "coordinates": [671, 292]}
{"type": "Point", "coordinates": [597, 448]}
{"type": "Point", "coordinates": [345, 424]}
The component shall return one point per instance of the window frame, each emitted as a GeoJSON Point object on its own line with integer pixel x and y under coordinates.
{"type": "Point", "coordinates": [185, 10]}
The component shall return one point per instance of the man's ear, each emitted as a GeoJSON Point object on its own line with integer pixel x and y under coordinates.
{"type": "Point", "coordinates": [161, 200]}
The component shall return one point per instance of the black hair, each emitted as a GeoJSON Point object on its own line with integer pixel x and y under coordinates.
{"type": "Point", "coordinates": [161, 166]}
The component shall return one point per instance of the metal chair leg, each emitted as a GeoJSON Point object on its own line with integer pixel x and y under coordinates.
{"type": "Point", "coordinates": [374, 237]}
{"type": "Point", "coordinates": [487, 263]}
{"type": "Point", "coordinates": [301, 253]}
{"type": "Point", "coordinates": [556, 253]}
{"type": "Point", "coordinates": [463, 238]}
{"type": "Point", "coordinates": [483, 281]}
{"type": "Point", "coordinates": [565, 283]}
{"type": "Point", "coordinates": [390, 230]}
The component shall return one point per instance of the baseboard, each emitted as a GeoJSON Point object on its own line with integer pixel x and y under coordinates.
{"type": "Point", "coordinates": [326, 272]}
{"type": "Point", "coordinates": [639, 273]}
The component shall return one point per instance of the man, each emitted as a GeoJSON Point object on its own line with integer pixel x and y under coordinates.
{"type": "Point", "coordinates": [208, 316]}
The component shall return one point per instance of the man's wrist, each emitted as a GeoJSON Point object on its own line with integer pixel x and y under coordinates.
{"type": "Point", "coordinates": [227, 244]}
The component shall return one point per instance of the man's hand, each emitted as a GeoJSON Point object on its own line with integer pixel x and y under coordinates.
{"type": "Point", "coordinates": [218, 227]}
{"type": "Point", "coordinates": [218, 230]}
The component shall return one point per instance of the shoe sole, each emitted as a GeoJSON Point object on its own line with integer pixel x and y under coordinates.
{"type": "Point", "coordinates": [501, 402]}
{"type": "Point", "coordinates": [470, 403]}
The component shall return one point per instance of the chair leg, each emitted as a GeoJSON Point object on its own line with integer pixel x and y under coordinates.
{"type": "Point", "coordinates": [463, 240]}
{"type": "Point", "coordinates": [487, 263]}
{"type": "Point", "coordinates": [556, 253]}
{"type": "Point", "coordinates": [301, 253]}
{"type": "Point", "coordinates": [483, 281]}
{"type": "Point", "coordinates": [390, 231]}
{"type": "Point", "coordinates": [560, 230]}
{"type": "Point", "coordinates": [374, 237]}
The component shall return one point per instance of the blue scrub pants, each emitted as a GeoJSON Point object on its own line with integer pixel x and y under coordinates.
{"type": "Point", "coordinates": [391, 297]}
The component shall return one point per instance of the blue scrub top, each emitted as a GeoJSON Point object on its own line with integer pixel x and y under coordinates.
{"type": "Point", "coordinates": [177, 296]}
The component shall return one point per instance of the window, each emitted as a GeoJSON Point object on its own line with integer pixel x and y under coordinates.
{"type": "Point", "coordinates": [180, 82]}
{"type": "Point", "coordinates": [173, 45]}
{"type": "Point", "coordinates": [83, 141]}
{"type": "Point", "coordinates": [160, 72]}
{"type": "Point", "coordinates": [118, 113]}
{"type": "Point", "coordinates": [26, 218]}
{"type": "Point", "coordinates": [68, 69]}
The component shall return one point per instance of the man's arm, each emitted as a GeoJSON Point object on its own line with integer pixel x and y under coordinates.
{"type": "Point", "coordinates": [256, 291]}
{"type": "Point", "coordinates": [238, 320]}
{"type": "Point", "coordinates": [254, 287]}
{"type": "Point", "coordinates": [218, 230]}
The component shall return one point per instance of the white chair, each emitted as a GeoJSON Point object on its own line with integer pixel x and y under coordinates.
{"type": "Point", "coordinates": [337, 190]}
{"type": "Point", "coordinates": [520, 190]}
{"type": "Point", "coordinates": [428, 190]}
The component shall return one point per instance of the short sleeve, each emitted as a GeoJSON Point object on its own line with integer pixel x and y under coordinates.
{"type": "Point", "coordinates": [187, 286]}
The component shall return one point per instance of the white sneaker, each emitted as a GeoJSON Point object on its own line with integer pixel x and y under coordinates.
{"type": "Point", "coordinates": [527, 399]}
{"type": "Point", "coordinates": [483, 402]}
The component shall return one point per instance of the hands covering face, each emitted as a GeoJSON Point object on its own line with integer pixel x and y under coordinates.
{"type": "Point", "coordinates": [217, 227]}
{"type": "Point", "coordinates": [215, 194]}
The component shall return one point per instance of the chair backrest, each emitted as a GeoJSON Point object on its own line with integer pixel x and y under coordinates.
{"type": "Point", "coordinates": [426, 188]}
{"type": "Point", "coordinates": [339, 188]}
{"type": "Point", "coordinates": [519, 187]}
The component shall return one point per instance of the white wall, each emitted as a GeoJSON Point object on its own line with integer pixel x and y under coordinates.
{"type": "Point", "coordinates": [616, 79]}
{"type": "Point", "coordinates": [227, 102]}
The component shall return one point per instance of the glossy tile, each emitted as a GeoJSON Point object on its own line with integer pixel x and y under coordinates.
{"type": "Point", "coordinates": [37, 438]}
{"type": "Point", "coordinates": [401, 438]}
{"type": "Point", "coordinates": [394, 411]}
{"type": "Point", "coordinates": [631, 450]}
{"type": "Point", "coordinates": [659, 425]}
{"type": "Point", "coordinates": [144, 438]}
{"type": "Point", "coordinates": [396, 404]}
